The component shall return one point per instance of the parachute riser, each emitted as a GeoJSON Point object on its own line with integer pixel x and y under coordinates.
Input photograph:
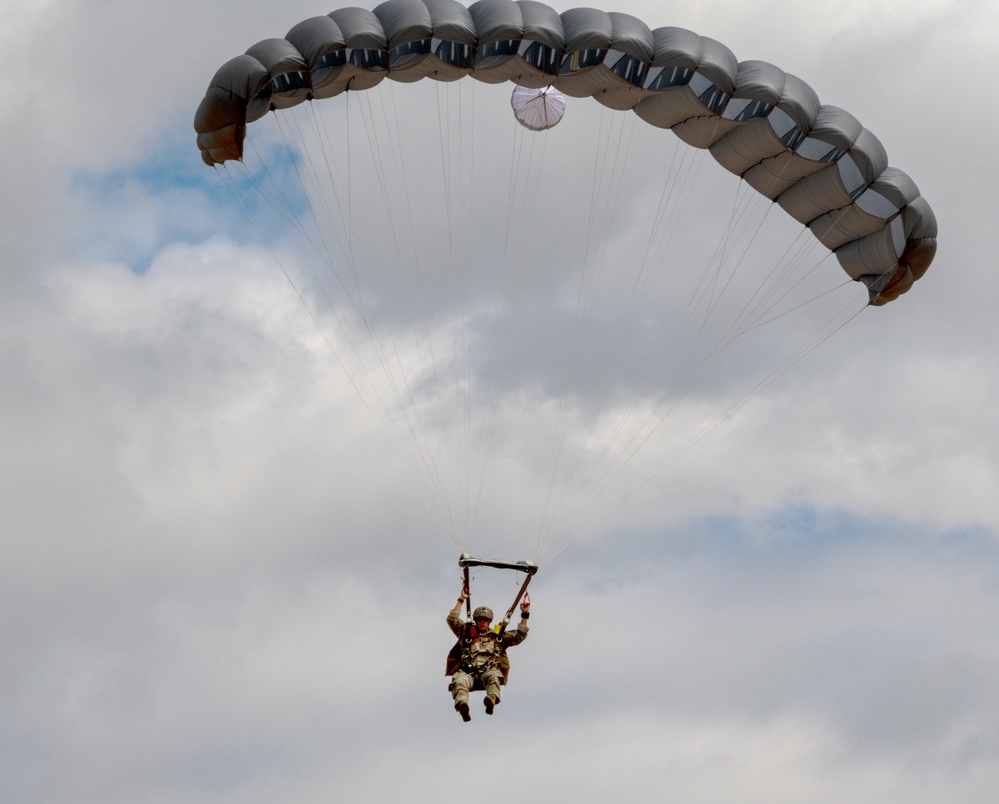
{"type": "Point", "coordinates": [520, 594]}
{"type": "Point", "coordinates": [468, 600]}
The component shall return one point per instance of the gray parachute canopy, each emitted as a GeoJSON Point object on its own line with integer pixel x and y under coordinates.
{"type": "Point", "coordinates": [767, 126]}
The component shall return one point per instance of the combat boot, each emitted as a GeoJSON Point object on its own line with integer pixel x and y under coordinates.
{"type": "Point", "coordinates": [489, 702]}
{"type": "Point", "coordinates": [462, 709]}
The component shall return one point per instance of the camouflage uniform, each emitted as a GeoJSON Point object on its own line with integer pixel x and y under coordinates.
{"type": "Point", "coordinates": [478, 660]}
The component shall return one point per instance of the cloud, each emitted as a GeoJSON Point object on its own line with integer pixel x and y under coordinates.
{"type": "Point", "coordinates": [220, 579]}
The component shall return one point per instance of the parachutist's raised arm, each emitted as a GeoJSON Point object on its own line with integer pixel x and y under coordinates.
{"type": "Point", "coordinates": [461, 599]}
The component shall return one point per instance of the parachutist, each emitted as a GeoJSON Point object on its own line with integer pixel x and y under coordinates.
{"type": "Point", "coordinates": [478, 660]}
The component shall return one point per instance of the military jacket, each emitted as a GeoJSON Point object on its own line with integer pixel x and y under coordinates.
{"type": "Point", "coordinates": [477, 651]}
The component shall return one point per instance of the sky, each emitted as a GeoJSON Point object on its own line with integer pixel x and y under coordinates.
{"type": "Point", "coordinates": [220, 580]}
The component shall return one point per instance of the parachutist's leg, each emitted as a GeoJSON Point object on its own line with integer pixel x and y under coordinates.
{"type": "Point", "coordinates": [491, 681]}
{"type": "Point", "coordinates": [461, 683]}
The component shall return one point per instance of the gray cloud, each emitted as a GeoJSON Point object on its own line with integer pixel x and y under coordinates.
{"type": "Point", "coordinates": [218, 582]}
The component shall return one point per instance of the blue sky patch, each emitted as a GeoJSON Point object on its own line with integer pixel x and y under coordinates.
{"type": "Point", "coordinates": [172, 196]}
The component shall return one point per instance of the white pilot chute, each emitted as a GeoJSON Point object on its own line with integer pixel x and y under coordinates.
{"type": "Point", "coordinates": [538, 109]}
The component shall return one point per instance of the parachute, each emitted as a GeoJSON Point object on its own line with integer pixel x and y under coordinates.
{"type": "Point", "coordinates": [815, 162]}
{"type": "Point", "coordinates": [818, 162]}
{"type": "Point", "coordinates": [538, 109]}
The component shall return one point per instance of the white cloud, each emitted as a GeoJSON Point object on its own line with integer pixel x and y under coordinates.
{"type": "Point", "coordinates": [218, 582]}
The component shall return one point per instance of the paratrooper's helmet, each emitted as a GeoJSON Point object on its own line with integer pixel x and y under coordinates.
{"type": "Point", "coordinates": [483, 613]}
